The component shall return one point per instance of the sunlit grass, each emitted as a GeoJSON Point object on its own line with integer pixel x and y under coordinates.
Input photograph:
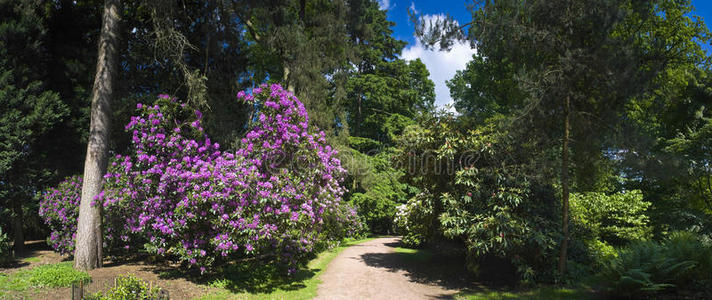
{"type": "Point", "coordinates": [52, 275]}
{"type": "Point", "coordinates": [33, 259]}
{"type": "Point", "coordinates": [541, 293]}
{"type": "Point", "coordinates": [415, 255]}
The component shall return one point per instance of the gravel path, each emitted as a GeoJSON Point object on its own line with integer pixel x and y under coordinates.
{"type": "Point", "coordinates": [372, 270]}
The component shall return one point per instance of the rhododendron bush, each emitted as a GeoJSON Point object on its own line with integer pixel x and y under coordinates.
{"type": "Point", "coordinates": [178, 195]}
{"type": "Point", "coordinates": [60, 209]}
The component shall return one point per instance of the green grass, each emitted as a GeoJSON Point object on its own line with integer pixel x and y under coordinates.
{"type": "Point", "coordinates": [541, 293]}
{"type": "Point", "coordinates": [248, 281]}
{"type": "Point", "coordinates": [31, 259]}
{"type": "Point", "coordinates": [415, 255]}
{"type": "Point", "coordinates": [52, 275]}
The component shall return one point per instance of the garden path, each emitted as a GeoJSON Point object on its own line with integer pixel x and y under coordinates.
{"type": "Point", "coordinates": [373, 270]}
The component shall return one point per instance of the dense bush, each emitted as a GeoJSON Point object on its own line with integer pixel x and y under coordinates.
{"type": "Point", "coordinates": [681, 263]}
{"type": "Point", "coordinates": [414, 220]}
{"type": "Point", "coordinates": [343, 222]}
{"type": "Point", "coordinates": [177, 195]}
{"type": "Point", "coordinates": [60, 209]}
{"type": "Point", "coordinates": [5, 251]}
{"type": "Point", "coordinates": [615, 219]}
{"type": "Point", "coordinates": [478, 194]}
{"type": "Point", "coordinates": [378, 213]}
{"type": "Point", "coordinates": [376, 187]}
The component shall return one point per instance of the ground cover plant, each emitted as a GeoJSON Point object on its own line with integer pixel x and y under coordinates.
{"type": "Point", "coordinates": [129, 287]}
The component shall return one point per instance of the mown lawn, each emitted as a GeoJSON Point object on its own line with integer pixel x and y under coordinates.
{"type": "Point", "coordinates": [52, 275]}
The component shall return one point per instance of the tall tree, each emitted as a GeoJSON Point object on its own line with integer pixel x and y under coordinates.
{"type": "Point", "coordinates": [577, 62]}
{"type": "Point", "coordinates": [29, 109]}
{"type": "Point", "coordinates": [385, 93]}
{"type": "Point", "coordinates": [89, 245]}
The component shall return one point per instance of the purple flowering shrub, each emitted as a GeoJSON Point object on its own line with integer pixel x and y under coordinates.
{"type": "Point", "coordinates": [342, 222]}
{"type": "Point", "coordinates": [60, 208]}
{"type": "Point", "coordinates": [178, 195]}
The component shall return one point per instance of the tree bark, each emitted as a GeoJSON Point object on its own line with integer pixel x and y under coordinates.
{"type": "Point", "coordinates": [89, 241]}
{"type": "Point", "coordinates": [565, 188]}
{"type": "Point", "coordinates": [19, 237]}
{"type": "Point", "coordinates": [287, 82]}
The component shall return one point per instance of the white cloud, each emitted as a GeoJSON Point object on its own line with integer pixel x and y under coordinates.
{"type": "Point", "coordinates": [385, 4]}
{"type": "Point", "coordinates": [441, 64]}
{"type": "Point", "coordinates": [412, 8]}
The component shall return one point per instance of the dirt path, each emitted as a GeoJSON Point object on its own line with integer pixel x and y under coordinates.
{"type": "Point", "coordinates": [373, 270]}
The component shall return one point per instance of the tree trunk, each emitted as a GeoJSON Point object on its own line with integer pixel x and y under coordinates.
{"type": "Point", "coordinates": [290, 85]}
{"type": "Point", "coordinates": [89, 242]}
{"type": "Point", "coordinates": [19, 237]}
{"type": "Point", "coordinates": [565, 188]}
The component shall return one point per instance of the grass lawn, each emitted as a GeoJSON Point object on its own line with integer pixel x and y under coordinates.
{"type": "Point", "coordinates": [264, 282]}
{"type": "Point", "coordinates": [52, 275]}
{"type": "Point", "coordinates": [543, 293]}
{"type": "Point", "coordinates": [31, 259]}
{"type": "Point", "coordinates": [415, 255]}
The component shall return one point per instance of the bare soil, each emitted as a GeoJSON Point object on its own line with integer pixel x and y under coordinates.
{"type": "Point", "coordinates": [102, 278]}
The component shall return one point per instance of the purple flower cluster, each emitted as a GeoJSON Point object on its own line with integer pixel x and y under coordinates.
{"type": "Point", "coordinates": [179, 196]}
{"type": "Point", "coordinates": [60, 208]}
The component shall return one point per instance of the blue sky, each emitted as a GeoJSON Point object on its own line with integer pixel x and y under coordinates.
{"type": "Point", "coordinates": [443, 65]}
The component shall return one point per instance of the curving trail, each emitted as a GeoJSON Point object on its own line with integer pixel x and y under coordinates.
{"type": "Point", "coordinates": [372, 270]}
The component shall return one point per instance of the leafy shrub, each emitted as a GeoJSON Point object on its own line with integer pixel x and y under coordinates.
{"type": "Point", "coordinates": [377, 212]}
{"type": "Point", "coordinates": [364, 145]}
{"type": "Point", "coordinates": [129, 287]}
{"type": "Point", "coordinates": [177, 195]}
{"type": "Point", "coordinates": [600, 252]}
{"type": "Point", "coordinates": [414, 220]}
{"type": "Point", "coordinates": [681, 262]}
{"type": "Point", "coordinates": [615, 219]}
{"type": "Point", "coordinates": [60, 210]}
{"type": "Point", "coordinates": [376, 188]}
{"type": "Point", "coordinates": [5, 251]}
{"type": "Point", "coordinates": [341, 223]}
{"type": "Point", "coordinates": [480, 196]}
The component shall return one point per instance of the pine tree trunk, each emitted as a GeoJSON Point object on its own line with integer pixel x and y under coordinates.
{"type": "Point", "coordinates": [18, 234]}
{"type": "Point", "coordinates": [89, 240]}
{"type": "Point", "coordinates": [290, 85]}
{"type": "Point", "coordinates": [565, 188]}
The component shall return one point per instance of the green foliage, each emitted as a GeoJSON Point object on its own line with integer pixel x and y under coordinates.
{"type": "Point", "coordinates": [364, 145]}
{"type": "Point", "coordinates": [540, 293]}
{"type": "Point", "coordinates": [52, 275]}
{"type": "Point", "coordinates": [415, 219]}
{"type": "Point", "coordinates": [681, 262]}
{"type": "Point", "coordinates": [375, 185]}
{"type": "Point", "coordinates": [615, 219]}
{"type": "Point", "coordinates": [29, 109]}
{"type": "Point", "coordinates": [5, 251]}
{"type": "Point", "coordinates": [129, 287]}
{"type": "Point", "coordinates": [385, 92]}
{"type": "Point", "coordinates": [600, 252]}
{"type": "Point", "coordinates": [378, 212]}
{"type": "Point", "coordinates": [485, 89]}
{"type": "Point", "coordinates": [478, 194]}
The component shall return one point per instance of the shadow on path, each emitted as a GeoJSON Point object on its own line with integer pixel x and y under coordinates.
{"type": "Point", "coordinates": [425, 267]}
